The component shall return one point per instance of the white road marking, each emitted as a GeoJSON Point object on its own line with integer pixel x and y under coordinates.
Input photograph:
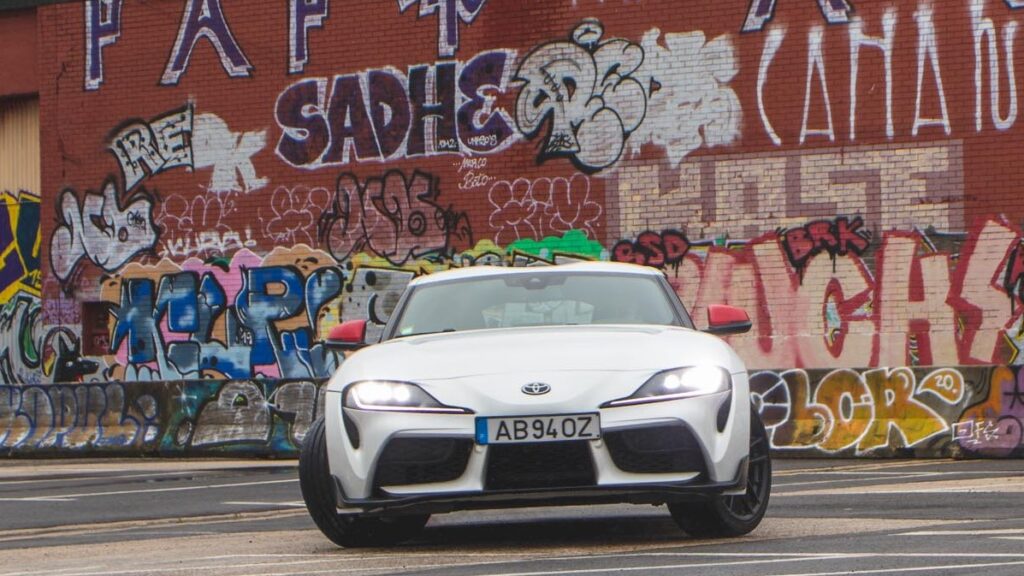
{"type": "Point", "coordinates": [894, 476]}
{"type": "Point", "coordinates": [66, 497]}
{"type": "Point", "coordinates": [872, 466]}
{"type": "Point", "coordinates": [293, 504]}
{"type": "Point", "coordinates": [1004, 484]}
{"type": "Point", "coordinates": [143, 525]}
{"type": "Point", "coordinates": [97, 477]}
{"type": "Point", "coordinates": [939, 568]}
{"type": "Point", "coordinates": [211, 567]}
{"type": "Point", "coordinates": [672, 566]}
{"type": "Point", "coordinates": [53, 571]}
{"type": "Point", "coordinates": [979, 532]}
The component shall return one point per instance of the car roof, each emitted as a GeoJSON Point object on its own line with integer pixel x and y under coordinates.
{"type": "Point", "coordinates": [581, 268]}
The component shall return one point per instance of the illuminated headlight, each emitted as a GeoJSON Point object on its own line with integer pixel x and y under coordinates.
{"type": "Point", "coordinates": [679, 383]}
{"type": "Point", "coordinates": [394, 397]}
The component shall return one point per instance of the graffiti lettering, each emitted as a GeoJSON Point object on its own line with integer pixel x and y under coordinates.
{"type": "Point", "coordinates": [542, 207]}
{"type": "Point", "coordinates": [762, 11]}
{"type": "Point", "coordinates": [100, 230]}
{"type": "Point", "coordinates": [77, 417]}
{"type": "Point", "coordinates": [837, 237]}
{"type": "Point", "coordinates": [147, 148]}
{"type": "Point", "coordinates": [205, 19]}
{"type": "Point", "coordinates": [447, 108]}
{"type": "Point", "coordinates": [392, 217]}
{"type": "Point", "coordinates": [303, 15]}
{"type": "Point", "coordinates": [102, 28]}
{"type": "Point", "coordinates": [449, 13]}
{"type": "Point", "coordinates": [585, 92]}
{"type": "Point", "coordinates": [19, 243]}
{"type": "Point", "coordinates": [847, 410]}
{"type": "Point", "coordinates": [660, 250]}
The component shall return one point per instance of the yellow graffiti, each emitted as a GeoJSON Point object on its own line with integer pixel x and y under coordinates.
{"type": "Point", "coordinates": [897, 410]}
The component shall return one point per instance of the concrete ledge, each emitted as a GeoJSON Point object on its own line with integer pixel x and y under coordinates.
{"type": "Point", "coordinates": [975, 411]}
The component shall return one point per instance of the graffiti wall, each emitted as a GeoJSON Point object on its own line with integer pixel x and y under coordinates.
{"type": "Point", "coordinates": [965, 411]}
{"type": "Point", "coordinates": [223, 184]}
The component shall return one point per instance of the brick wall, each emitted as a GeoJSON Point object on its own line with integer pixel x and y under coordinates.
{"type": "Point", "coordinates": [230, 178]}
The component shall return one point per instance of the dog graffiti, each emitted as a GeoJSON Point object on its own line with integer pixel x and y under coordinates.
{"type": "Point", "coordinates": [103, 229]}
{"type": "Point", "coordinates": [393, 217]}
{"type": "Point", "coordinates": [380, 115]}
{"type": "Point", "coordinates": [78, 417]}
{"type": "Point", "coordinates": [846, 410]}
{"type": "Point", "coordinates": [584, 91]}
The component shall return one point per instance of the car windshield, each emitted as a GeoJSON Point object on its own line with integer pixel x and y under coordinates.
{"type": "Point", "coordinates": [542, 299]}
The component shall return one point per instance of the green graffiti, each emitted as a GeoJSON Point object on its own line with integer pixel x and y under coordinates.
{"type": "Point", "coordinates": [573, 242]}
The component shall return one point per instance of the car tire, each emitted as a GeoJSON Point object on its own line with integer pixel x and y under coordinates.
{"type": "Point", "coordinates": [348, 530]}
{"type": "Point", "coordinates": [724, 516]}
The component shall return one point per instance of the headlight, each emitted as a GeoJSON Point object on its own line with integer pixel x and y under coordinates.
{"type": "Point", "coordinates": [679, 383]}
{"type": "Point", "coordinates": [394, 397]}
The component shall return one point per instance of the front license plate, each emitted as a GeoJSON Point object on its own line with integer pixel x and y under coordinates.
{"type": "Point", "coordinates": [538, 428]}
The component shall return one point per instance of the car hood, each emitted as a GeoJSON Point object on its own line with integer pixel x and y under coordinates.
{"type": "Point", "coordinates": [626, 348]}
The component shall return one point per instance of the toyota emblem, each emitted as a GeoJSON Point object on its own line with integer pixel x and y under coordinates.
{"type": "Point", "coordinates": [536, 388]}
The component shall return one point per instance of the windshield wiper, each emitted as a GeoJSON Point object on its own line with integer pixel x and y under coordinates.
{"type": "Point", "coordinates": [426, 333]}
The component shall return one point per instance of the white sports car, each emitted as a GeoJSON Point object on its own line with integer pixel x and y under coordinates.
{"type": "Point", "coordinates": [499, 387]}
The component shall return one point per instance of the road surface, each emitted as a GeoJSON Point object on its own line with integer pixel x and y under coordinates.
{"type": "Point", "coordinates": [240, 518]}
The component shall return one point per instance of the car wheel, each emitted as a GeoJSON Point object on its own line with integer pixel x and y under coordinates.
{"type": "Point", "coordinates": [722, 516]}
{"type": "Point", "coordinates": [348, 530]}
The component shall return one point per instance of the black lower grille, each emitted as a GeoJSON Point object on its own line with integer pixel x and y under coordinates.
{"type": "Point", "coordinates": [542, 465]}
{"type": "Point", "coordinates": [422, 460]}
{"type": "Point", "coordinates": [656, 449]}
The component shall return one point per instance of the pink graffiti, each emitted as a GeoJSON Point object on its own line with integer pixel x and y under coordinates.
{"type": "Point", "coordinates": [542, 207]}
{"type": "Point", "coordinates": [920, 307]}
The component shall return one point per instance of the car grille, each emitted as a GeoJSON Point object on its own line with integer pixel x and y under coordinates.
{"type": "Point", "coordinates": [656, 449]}
{"type": "Point", "coordinates": [541, 465]}
{"type": "Point", "coordinates": [422, 460]}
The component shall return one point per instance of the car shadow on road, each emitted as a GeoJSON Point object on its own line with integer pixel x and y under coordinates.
{"type": "Point", "coordinates": [554, 533]}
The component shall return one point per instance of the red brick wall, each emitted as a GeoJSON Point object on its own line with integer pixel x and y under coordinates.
{"type": "Point", "coordinates": [681, 142]}
{"type": "Point", "coordinates": [18, 53]}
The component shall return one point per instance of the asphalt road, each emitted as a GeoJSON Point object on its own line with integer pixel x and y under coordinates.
{"type": "Point", "coordinates": [163, 517]}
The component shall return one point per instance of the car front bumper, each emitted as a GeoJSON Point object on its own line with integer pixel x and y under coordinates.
{"type": "Point", "coordinates": [714, 465]}
{"type": "Point", "coordinates": [451, 502]}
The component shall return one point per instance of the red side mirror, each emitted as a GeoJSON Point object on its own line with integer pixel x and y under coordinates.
{"type": "Point", "coordinates": [724, 320]}
{"type": "Point", "coordinates": [348, 335]}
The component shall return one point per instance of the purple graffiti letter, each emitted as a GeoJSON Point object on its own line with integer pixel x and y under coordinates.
{"type": "Point", "coordinates": [482, 127]}
{"type": "Point", "coordinates": [102, 28]}
{"type": "Point", "coordinates": [303, 15]}
{"type": "Point", "coordinates": [762, 11]}
{"type": "Point", "coordinates": [204, 18]}
{"type": "Point", "coordinates": [449, 13]}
